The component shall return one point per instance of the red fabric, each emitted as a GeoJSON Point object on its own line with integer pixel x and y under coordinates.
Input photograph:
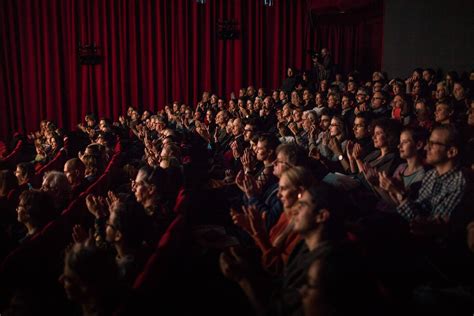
{"type": "Point", "coordinates": [57, 163]}
{"type": "Point", "coordinates": [159, 263]}
{"type": "Point", "coordinates": [274, 258]}
{"type": "Point", "coordinates": [15, 155]}
{"type": "Point", "coordinates": [154, 52]}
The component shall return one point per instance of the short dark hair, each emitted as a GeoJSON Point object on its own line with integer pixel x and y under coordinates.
{"type": "Point", "coordinates": [39, 205]}
{"type": "Point", "coordinates": [27, 169]}
{"type": "Point", "coordinates": [296, 154]}
{"type": "Point", "coordinates": [391, 129]}
{"type": "Point", "coordinates": [454, 137]}
{"type": "Point", "coordinates": [271, 140]}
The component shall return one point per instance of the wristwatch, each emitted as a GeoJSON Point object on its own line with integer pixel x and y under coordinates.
{"type": "Point", "coordinates": [340, 157]}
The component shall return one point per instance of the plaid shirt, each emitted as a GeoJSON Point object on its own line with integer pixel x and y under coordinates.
{"type": "Point", "coordinates": [438, 196]}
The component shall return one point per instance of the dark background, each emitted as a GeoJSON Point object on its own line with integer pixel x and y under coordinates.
{"type": "Point", "coordinates": [437, 34]}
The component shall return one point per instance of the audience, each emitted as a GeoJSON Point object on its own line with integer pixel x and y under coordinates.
{"type": "Point", "coordinates": [323, 169]}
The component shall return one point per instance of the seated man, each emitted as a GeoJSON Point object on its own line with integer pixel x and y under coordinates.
{"type": "Point", "coordinates": [318, 223]}
{"type": "Point", "coordinates": [74, 170]}
{"type": "Point", "coordinates": [443, 187]}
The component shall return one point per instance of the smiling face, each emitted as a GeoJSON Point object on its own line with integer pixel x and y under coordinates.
{"type": "Point", "coordinates": [280, 164]}
{"type": "Point", "coordinates": [287, 193]}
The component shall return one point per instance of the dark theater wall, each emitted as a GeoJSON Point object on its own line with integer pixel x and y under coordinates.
{"type": "Point", "coordinates": [435, 33]}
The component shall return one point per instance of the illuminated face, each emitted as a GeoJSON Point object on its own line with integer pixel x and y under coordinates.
{"type": "Point", "coordinates": [335, 129]}
{"type": "Point", "coordinates": [22, 213]}
{"type": "Point", "coordinates": [437, 147]}
{"type": "Point", "coordinates": [442, 113]}
{"type": "Point", "coordinates": [304, 213]}
{"type": "Point", "coordinates": [407, 146]}
{"type": "Point", "coordinates": [280, 164]}
{"type": "Point", "coordinates": [287, 193]}
{"type": "Point", "coordinates": [360, 128]}
{"type": "Point", "coordinates": [379, 138]}
{"type": "Point", "coordinates": [262, 152]}
{"type": "Point", "coordinates": [71, 174]}
{"type": "Point", "coordinates": [325, 122]}
{"type": "Point", "coordinates": [141, 189]}
{"type": "Point", "coordinates": [377, 100]}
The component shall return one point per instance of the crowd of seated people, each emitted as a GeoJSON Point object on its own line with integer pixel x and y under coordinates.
{"type": "Point", "coordinates": [328, 197]}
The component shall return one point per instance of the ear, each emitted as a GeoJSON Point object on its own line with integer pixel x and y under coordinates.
{"type": "Point", "coordinates": [420, 145]}
{"type": "Point", "coordinates": [452, 152]}
{"type": "Point", "coordinates": [118, 236]}
{"type": "Point", "coordinates": [323, 216]}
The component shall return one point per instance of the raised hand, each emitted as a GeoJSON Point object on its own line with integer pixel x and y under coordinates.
{"type": "Point", "coordinates": [293, 128]}
{"type": "Point", "coordinates": [239, 180]}
{"type": "Point", "coordinates": [326, 137]}
{"type": "Point", "coordinates": [257, 222]}
{"type": "Point", "coordinates": [233, 265]}
{"type": "Point", "coordinates": [357, 151]}
{"type": "Point", "coordinates": [95, 206]}
{"type": "Point", "coordinates": [370, 174]}
{"type": "Point", "coordinates": [241, 220]}
{"type": "Point", "coordinates": [335, 146]}
{"type": "Point", "coordinates": [248, 159]}
{"type": "Point", "coordinates": [250, 186]}
{"type": "Point", "coordinates": [349, 150]}
{"type": "Point", "coordinates": [79, 234]}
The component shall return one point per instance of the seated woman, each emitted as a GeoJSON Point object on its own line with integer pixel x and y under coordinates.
{"type": "Point", "coordinates": [277, 244]}
{"type": "Point", "coordinates": [408, 175]}
{"type": "Point", "coordinates": [385, 157]}
{"type": "Point", "coordinates": [333, 148]}
{"type": "Point", "coordinates": [35, 210]}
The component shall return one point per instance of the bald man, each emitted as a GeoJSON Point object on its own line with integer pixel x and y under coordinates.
{"type": "Point", "coordinates": [74, 170]}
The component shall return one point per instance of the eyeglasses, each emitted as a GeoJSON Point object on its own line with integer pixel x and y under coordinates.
{"type": "Point", "coordinates": [430, 143]}
{"type": "Point", "coordinates": [276, 162]}
{"type": "Point", "coordinates": [359, 125]}
{"type": "Point", "coordinates": [334, 125]}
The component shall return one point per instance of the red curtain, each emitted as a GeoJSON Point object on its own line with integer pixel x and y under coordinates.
{"type": "Point", "coordinates": [154, 52]}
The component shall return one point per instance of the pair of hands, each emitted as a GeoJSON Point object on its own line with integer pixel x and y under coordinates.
{"type": "Point", "coordinates": [246, 183]}
{"type": "Point", "coordinates": [99, 207]}
{"type": "Point", "coordinates": [353, 150]}
{"type": "Point", "coordinates": [251, 220]}
{"type": "Point", "coordinates": [233, 264]}
{"type": "Point", "coordinates": [248, 160]}
{"type": "Point", "coordinates": [237, 150]}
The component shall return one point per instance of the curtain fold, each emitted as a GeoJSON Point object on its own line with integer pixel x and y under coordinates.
{"type": "Point", "coordinates": [155, 52]}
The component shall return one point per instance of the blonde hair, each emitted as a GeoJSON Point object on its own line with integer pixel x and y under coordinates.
{"type": "Point", "coordinates": [299, 177]}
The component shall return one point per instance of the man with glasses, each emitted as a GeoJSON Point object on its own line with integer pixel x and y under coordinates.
{"type": "Point", "coordinates": [443, 187]}
{"type": "Point", "coordinates": [379, 105]}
